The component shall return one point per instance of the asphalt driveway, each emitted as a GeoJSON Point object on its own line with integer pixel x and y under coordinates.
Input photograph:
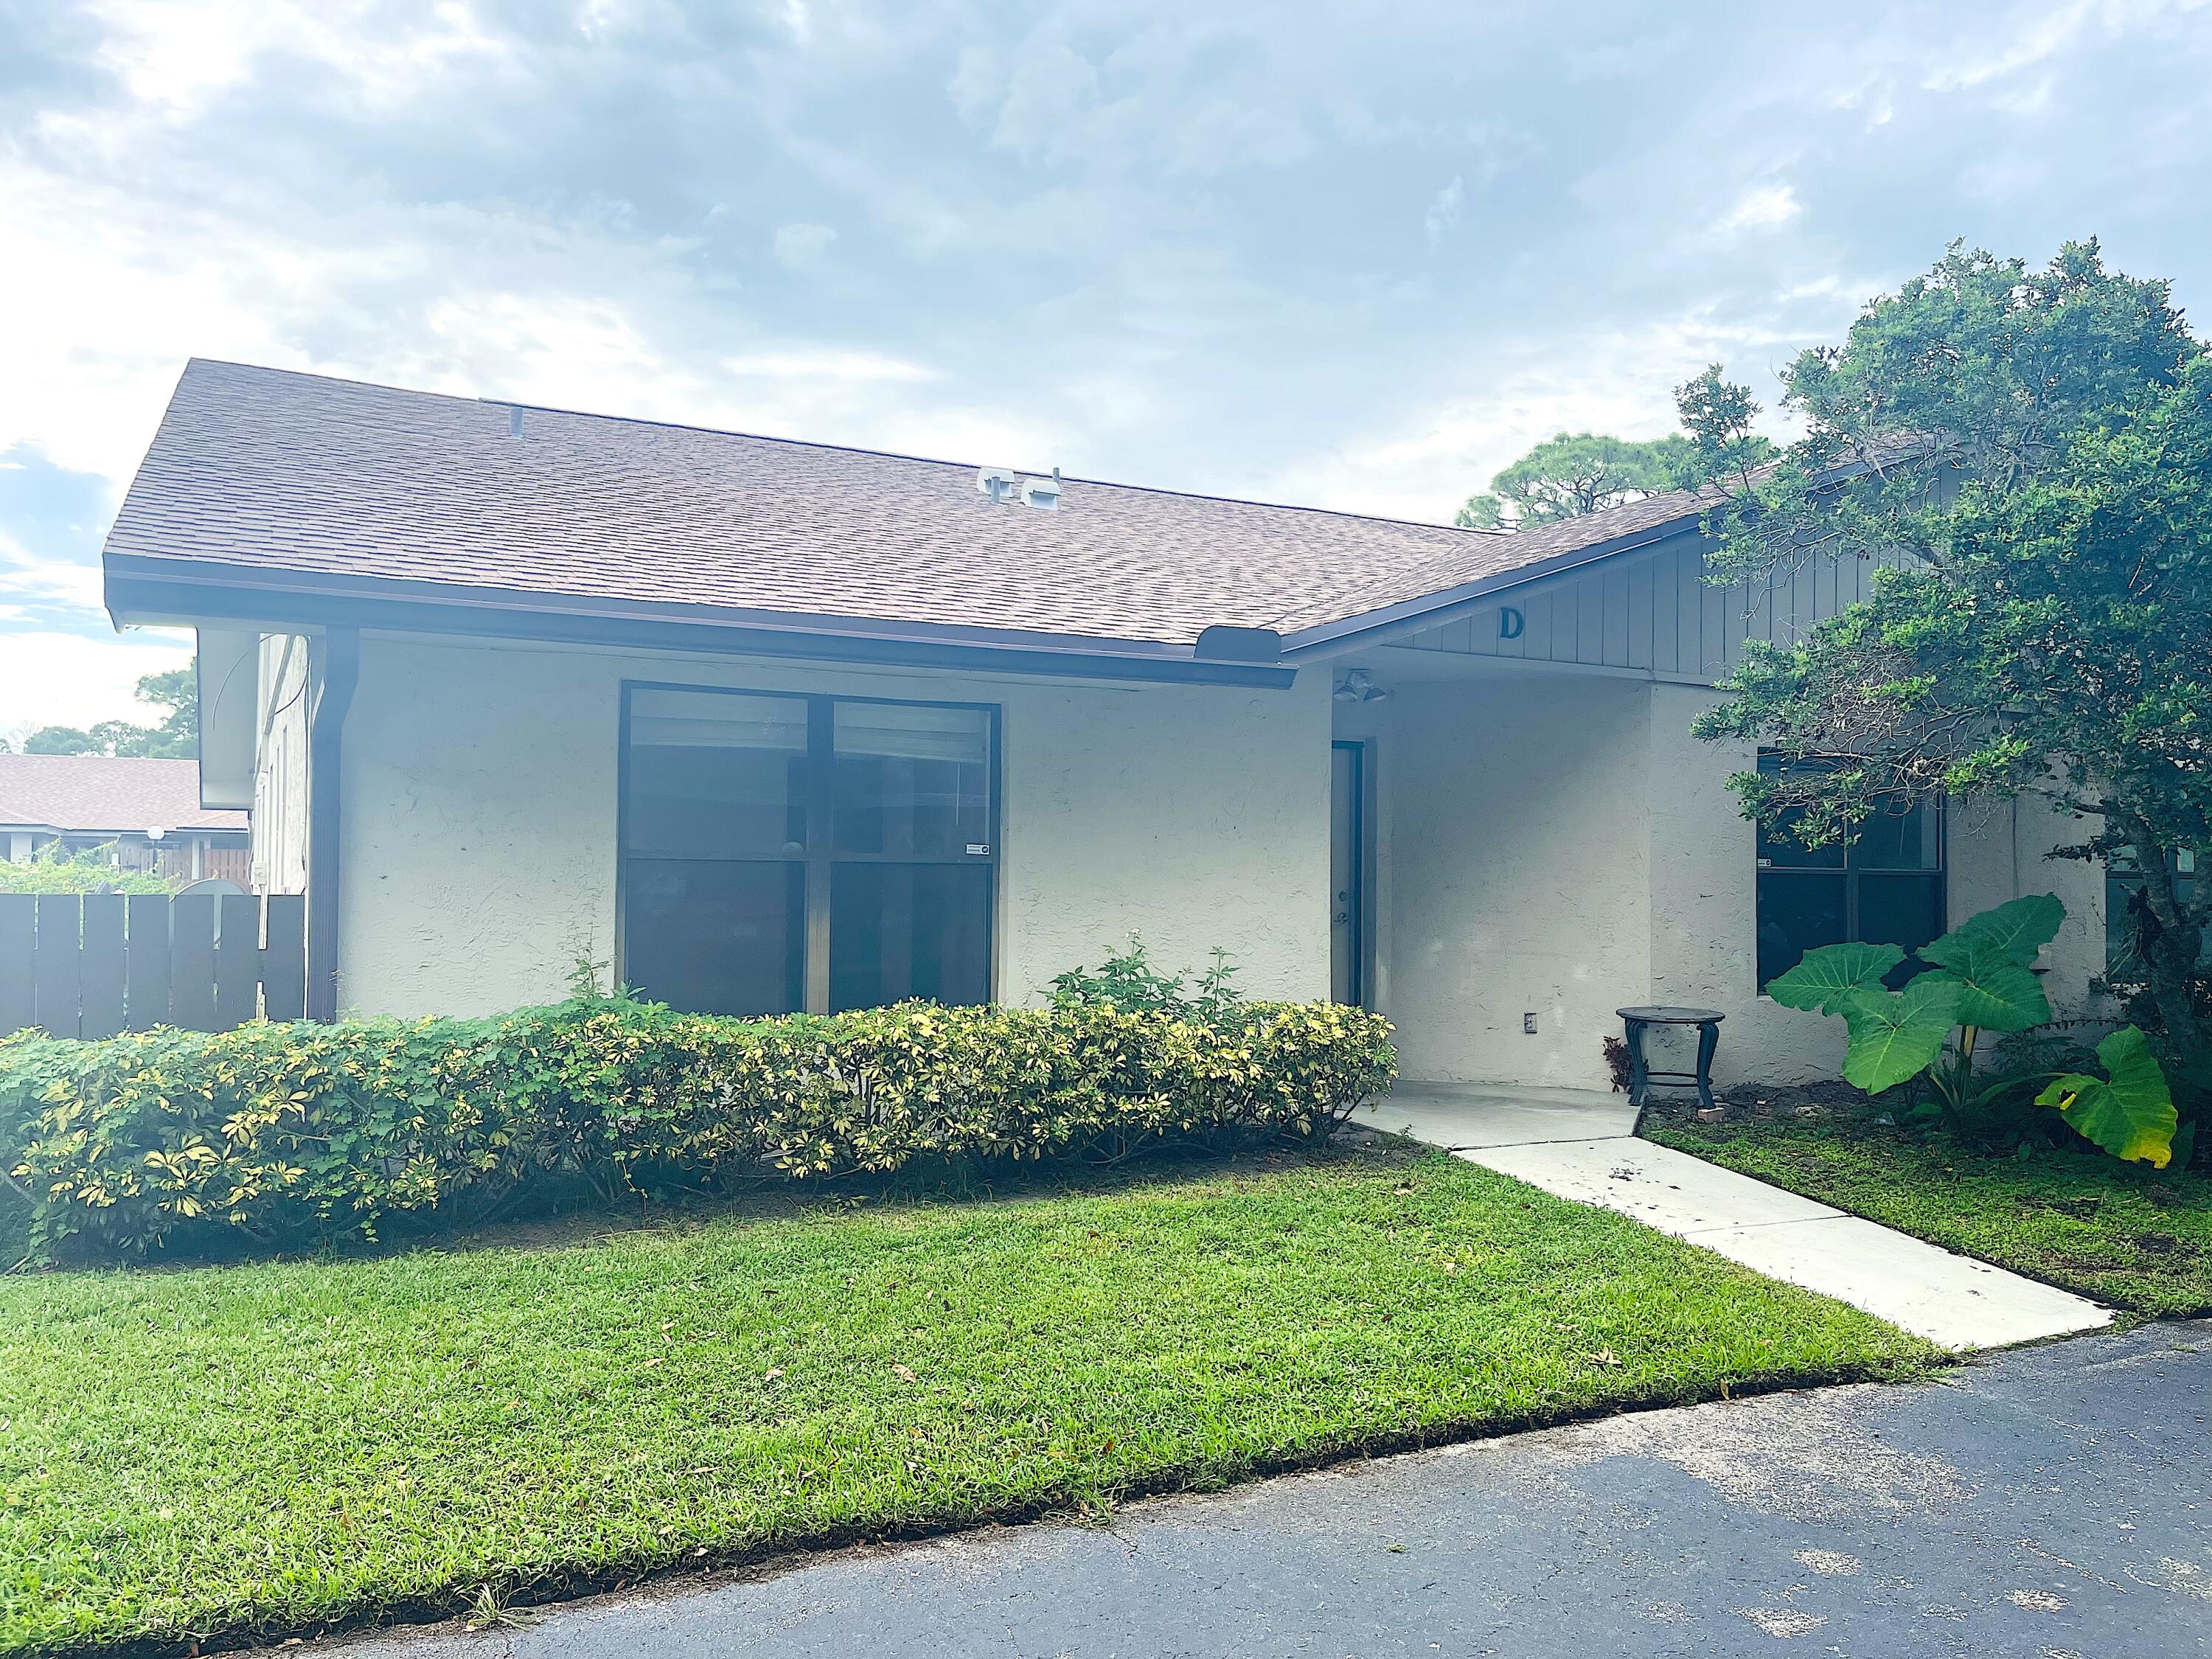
{"type": "Point", "coordinates": [2053, 1503]}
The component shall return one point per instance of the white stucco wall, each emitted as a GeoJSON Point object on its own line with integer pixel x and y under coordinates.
{"type": "Point", "coordinates": [1519, 873]}
{"type": "Point", "coordinates": [1561, 845]}
{"type": "Point", "coordinates": [479, 819]}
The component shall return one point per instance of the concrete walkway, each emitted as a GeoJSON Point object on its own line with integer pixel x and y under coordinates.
{"type": "Point", "coordinates": [2052, 1502]}
{"type": "Point", "coordinates": [1582, 1146]}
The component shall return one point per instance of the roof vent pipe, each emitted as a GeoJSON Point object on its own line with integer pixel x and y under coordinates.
{"type": "Point", "coordinates": [514, 420]}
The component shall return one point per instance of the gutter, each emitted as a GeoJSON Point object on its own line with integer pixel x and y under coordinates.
{"type": "Point", "coordinates": [334, 663]}
{"type": "Point", "coordinates": [149, 588]}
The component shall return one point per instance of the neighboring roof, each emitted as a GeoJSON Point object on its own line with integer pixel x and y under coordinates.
{"type": "Point", "coordinates": [277, 476]}
{"type": "Point", "coordinates": [105, 794]}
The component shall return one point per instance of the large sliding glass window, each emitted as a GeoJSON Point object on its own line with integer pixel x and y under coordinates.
{"type": "Point", "coordinates": [787, 852]}
{"type": "Point", "coordinates": [1886, 888]}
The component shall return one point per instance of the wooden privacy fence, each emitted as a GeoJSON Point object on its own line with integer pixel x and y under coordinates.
{"type": "Point", "coordinates": [92, 965]}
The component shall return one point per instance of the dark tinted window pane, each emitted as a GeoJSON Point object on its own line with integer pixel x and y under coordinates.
{"type": "Point", "coordinates": [2124, 893]}
{"type": "Point", "coordinates": [1797, 914]}
{"type": "Point", "coordinates": [913, 781]}
{"type": "Point", "coordinates": [1899, 840]}
{"type": "Point", "coordinates": [1778, 848]}
{"type": "Point", "coordinates": [2120, 892]}
{"type": "Point", "coordinates": [1906, 910]}
{"type": "Point", "coordinates": [715, 775]}
{"type": "Point", "coordinates": [715, 937]}
{"type": "Point", "coordinates": [910, 929]}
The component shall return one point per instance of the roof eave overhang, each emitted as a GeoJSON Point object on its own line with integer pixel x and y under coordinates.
{"type": "Point", "coordinates": [1419, 615]}
{"type": "Point", "coordinates": [147, 588]}
{"type": "Point", "coordinates": [130, 829]}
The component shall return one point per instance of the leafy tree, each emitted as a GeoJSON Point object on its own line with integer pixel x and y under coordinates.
{"type": "Point", "coordinates": [178, 735]}
{"type": "Point", "coordinates": [1483, 512]}
{"type": "Point", "coordinates": [1578, 472]}
{"type": "Point", "coordinates": [2035, 444]}
{"type": "Point", "coordinates": [61, 740]}
{"type": "Point", "coordinates": [53, 869]}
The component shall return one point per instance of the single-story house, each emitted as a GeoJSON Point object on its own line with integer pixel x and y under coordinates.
{"type": "Point", "coordinates": [147, 812]}
{"type": "Point", "coordinates": [770, 726]}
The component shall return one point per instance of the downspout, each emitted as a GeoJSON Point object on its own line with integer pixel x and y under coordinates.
{"type": "Point", "coordinates": [334, 665]}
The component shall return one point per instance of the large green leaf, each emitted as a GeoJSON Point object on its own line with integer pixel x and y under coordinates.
{"type": "Point", "coordinates": [2129, 1111]}
{"type": "Point", "coordinates": [2012, 932]}
{"type": "Point", "coordinates": [1896, 1035]}
{"type": "Point", "coordinates": [2001, 996]}
{"type": "Point", "coordinates": [1989, 955]}
{"type": "Point", "coordinates": [1832, 972]}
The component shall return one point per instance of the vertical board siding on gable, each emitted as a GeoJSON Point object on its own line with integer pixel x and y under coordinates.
{"type": "Point", "coordinates": [1656, 611]}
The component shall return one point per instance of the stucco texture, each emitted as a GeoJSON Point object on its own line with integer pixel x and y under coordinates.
{"type": "Point", "coordinates": [1518, 873]}
{"type": "Point", "coordinates": [1558, 844]}
{"type": "Point", "coordinates": [479, 820]}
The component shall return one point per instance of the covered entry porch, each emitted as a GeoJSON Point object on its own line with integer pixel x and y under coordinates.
{"type": "Point", "coordinates": [1521, 848]}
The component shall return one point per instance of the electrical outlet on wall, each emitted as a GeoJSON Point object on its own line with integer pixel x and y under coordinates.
{"type": "Point", "coordinates": [1528, 1024]}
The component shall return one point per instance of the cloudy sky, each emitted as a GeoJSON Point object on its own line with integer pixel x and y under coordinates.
{"type": "Point", "coordinates": [1356, 256]}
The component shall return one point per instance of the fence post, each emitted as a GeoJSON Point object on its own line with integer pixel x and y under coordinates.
{"type": "Point", "coordinates": [19, 926]}
{"type": "Point", "coordinates": [54, 988]}
{"type": "Point", "coordinates": [237, 959]}
{"type": "Point", "coordinates": [100, 967]}
{"type": "Point", "coordinates": [191, 962]}
{"type": "Point", "coordinates": [146, 962]}
{"type": "Point", "coordinates": [285, 957]}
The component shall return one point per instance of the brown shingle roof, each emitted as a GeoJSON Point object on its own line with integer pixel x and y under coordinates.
{"type": "Point", "coordinates": [105, 794]}
{"type": "Point", "coordinates": [264, 468]}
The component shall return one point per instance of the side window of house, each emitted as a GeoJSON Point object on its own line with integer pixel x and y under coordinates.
{"type": "Point", "coordinates": [783, 853]}
{"type": "Point", "coordinates": [2123, 885]}
{"type": "Point", "coordinates": [1886, 888]}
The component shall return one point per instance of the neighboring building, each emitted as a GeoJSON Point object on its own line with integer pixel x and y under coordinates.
{"type": "Point", "coordinates": [146, 812]}
{"type": "Point", "coordinates": [775, 725]}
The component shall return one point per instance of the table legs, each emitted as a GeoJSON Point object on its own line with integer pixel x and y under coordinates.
{"type": "Point", "coordinates": [1639, 1074]}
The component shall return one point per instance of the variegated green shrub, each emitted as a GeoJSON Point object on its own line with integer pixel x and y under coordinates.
{"type": "Point", "coordinates": [284, 1133]}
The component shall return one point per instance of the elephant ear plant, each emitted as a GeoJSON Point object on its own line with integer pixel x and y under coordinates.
{"type": "Point", "coordinates": [1979, 979]}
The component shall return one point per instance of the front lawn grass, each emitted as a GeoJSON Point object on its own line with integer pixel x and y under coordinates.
{"type": "Point", "coordinates": [268, 1448]}
{"type": "Point", "coordinates": [2137, 1238]}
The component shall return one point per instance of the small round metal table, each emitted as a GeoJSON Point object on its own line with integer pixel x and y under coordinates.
{"type": "Point", "coordinates": [1640, 1076]}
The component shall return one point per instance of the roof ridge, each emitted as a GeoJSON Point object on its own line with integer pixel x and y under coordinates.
{"type": "Point", "coordinates": [841, 449]}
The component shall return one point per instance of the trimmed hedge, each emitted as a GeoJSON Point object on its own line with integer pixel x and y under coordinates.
{"type": "Point", "coordinates": [285, 1134]}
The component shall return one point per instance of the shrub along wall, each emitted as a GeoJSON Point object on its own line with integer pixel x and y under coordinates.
{"type": "Point", "coordinates": [284, 1133]}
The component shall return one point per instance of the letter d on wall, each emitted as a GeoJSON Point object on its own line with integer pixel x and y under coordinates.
{"type": "Point", "coordinates": [1509, 624]}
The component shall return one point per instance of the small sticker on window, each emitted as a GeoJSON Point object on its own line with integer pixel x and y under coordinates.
{"type": "Point", "coordinates": [979, 849]}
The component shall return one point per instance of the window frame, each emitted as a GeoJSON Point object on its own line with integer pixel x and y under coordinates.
{"type": "Point", "coordinates": [1852, 876]}
{"type": "Point", "coordinates": [821, 857]}
{"type": "Point", "coordinates": [2122, 965]}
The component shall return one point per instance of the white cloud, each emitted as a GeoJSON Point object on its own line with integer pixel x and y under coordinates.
{"type": "Point", "coordinates": [180, 58]}
{"type": "Point", "coordinates": [68, 680]}
{"type": "Point", "coordinates": [2032, 38]}
{"type": "Point", "coordinates": [48, 583]}
{"type": "Point", "coordinates": [1444, 209]}
{"type": "Point", "coordinates": [825, 363]}
{"type": "Point", "coordinates": [802, 247]}
{"type": "Point", "coordinates": [1763, 205]}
